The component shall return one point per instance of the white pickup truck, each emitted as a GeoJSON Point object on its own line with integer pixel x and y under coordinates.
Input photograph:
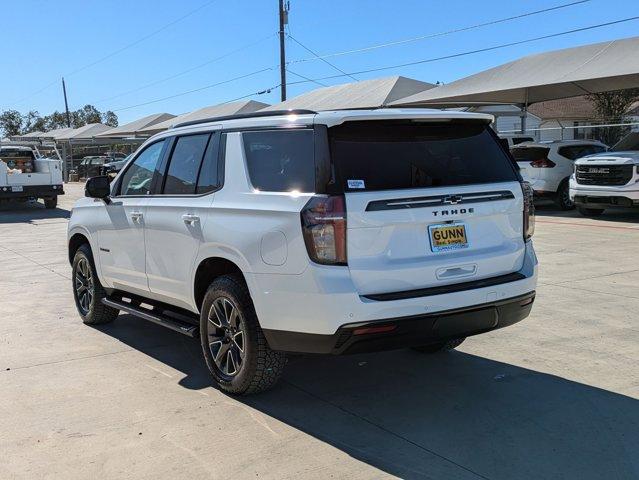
{"type": "Point", "coordinates": [23, 176]}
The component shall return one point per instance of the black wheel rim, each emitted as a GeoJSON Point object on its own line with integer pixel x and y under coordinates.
{"type": "Point", "coordinates": [226, 336]}
{"type": "Point", "coordinates": [565, 197]}
{"type": "Point", "coordinates": [84, 288]}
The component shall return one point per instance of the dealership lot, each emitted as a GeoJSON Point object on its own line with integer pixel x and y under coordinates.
{"type": "Point", "coordinates": [556, 396]}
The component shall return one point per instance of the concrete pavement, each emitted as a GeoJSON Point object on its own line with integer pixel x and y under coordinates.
{"type": "Point", "coordinates": [554, 397]}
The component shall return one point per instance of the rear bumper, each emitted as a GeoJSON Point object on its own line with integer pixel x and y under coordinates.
{"type": "Point", "coordinates": [322, 300]}
{"type": "Point", "coordinates": [543, 188]}
{"type": "Point", "coordinates": [408, 331]}
{"type": "Point", "coordinates": [35, 191]}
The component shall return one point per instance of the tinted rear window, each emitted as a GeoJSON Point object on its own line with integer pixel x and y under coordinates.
{"type": "Point", "coordinates": [396, 155]}
{"type": "Point", "coordinates": [280, 160]}
{"type": "Point", "coordinates": [574, 152]}
{"type": "Point", "coordinates": [529, 154]}
{"type": "Point", "coordinates": [518, 140]}
{"type": "Point", "coordinates": [185, 164]}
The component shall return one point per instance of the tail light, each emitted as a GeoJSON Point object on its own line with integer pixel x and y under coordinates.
{"type": "Point", "coordinates": [542, 163]}
{"type": "Point", "coordinates": [324, 229]}
{"type": "Point", "coordinates": [529, 210]}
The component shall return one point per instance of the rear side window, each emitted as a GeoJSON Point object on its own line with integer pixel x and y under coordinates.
{"type": "Point", "coordinates": [529, 154]}
{"type": "Point", "coordinates": [280, 160]}
{"type": "Point", "coordinates": [184, 165]}
{"type": "Point", "coordinates": [209, 178]}
{"type": "Point", "coordinates": [573, 152]}
{"type": "Point", "coordinates": [398, 154]}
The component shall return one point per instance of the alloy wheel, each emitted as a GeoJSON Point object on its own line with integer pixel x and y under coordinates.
{"type": "Point", "coordinates": [565, 197]}
{"type": "Point", "coordinates": [84, 287]}
{"type": "Point", "coordinates": [226, 336]}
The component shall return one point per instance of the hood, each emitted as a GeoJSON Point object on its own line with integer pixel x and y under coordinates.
{"type": "Point", "coordinates": [610, 158]}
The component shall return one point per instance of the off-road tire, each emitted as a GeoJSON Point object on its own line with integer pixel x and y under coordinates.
{"type": "Point", "coordinates": [261, 367]}
{"type": "Point", "coordinates": [562, 198]}
{"type": "Point", "coordinates": [98, 313]}
{"type": "Point", "coordinates": [590, 212]}
{"type": "Point", "coordinates": [440, 346]}
{"type": "Point", "coordinates": [50, 202]}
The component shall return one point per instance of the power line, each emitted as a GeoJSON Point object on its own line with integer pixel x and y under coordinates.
{"type": "Point", "coordinates": [479, 50]}
{"type": "Point", "coordinates": [122, 49]}
{"type": "Point", "coordinates": [319, 57]}
{"type": "Point", "coordinates": [189, 70]}
{"type": "Point", "coordinates": [440, 34]}
{"type": "Point", "coordinates": [306, 78]}
{"type": "Point", "coordinates": [199, 89]}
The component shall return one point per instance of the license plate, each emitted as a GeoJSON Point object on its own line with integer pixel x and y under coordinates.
{"type": "Point", "coordinates": [447, 236]}
{"type": "Point", "coordinates": [17, 189]}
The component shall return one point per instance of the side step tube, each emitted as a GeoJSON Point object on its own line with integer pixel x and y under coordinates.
{"type": "Point", "coordinates": [175, 325]}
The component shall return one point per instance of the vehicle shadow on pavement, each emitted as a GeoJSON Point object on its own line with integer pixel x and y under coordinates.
{"type": "Point", "coordinates": [621, 215]}
{"type": "Point", "coordinates": [27, 212]}
{"type": "Point", "coordinates": [452, 415]}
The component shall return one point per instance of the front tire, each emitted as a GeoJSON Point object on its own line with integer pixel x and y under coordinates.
{"type": "Point", "coordinates": [590, 212]}
{"type": "Point", "coordinates": [563, 197]}
{"type": "Point", "coordinates": [88, 291]}
{"type": "Point", "coordinates": [234, 347]}
{"type": "Point", "coordinates": [440, 346]}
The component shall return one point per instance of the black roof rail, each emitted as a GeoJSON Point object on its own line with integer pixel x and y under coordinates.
{"type": "Point", "coordinates": [239, 116]}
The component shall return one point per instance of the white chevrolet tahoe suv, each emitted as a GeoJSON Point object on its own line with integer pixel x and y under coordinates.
{"type": "Point", "coordinates": [332, 232]}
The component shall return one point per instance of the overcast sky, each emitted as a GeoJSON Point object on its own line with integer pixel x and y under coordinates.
{"type": "Point", "coordinates": [108, 48]}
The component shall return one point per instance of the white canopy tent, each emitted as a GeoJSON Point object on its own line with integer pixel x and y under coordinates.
{"type": "Point", "coordinates": [594, 68]}
{"type": "Point", "coordinates": [374, 93]}
{"type": "Point", "coordinates": [87, 131]}
{"type": "Point", "coordinates": [53, 134]}
{"type": "Point", "coordinates": [232, 108]}
{"type": "Point", "coordinates": [131, 129]}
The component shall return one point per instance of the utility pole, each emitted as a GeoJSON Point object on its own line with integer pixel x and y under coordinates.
{"type": "Point", "coordinates": [283, 21]}
{"type": "Point", "coordinates": [66, 104]}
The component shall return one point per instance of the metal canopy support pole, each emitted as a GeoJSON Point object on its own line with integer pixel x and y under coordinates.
{"type": "Point", "coordinates": [524, 114]}
{"type": "Point", "coordinates": [65, 171]}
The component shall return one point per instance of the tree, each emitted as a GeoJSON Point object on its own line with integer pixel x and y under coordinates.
{"type": "Point", "coordinates": [55, 120]}
{"type": "Point", "coordinates": [109, 118]}
{"type": "Point", "coordinates": [11, 123]}
{"type": "Point", "coordinates": [612, 107]}
{"type": "Point", "coordinates": [87, 114]}
{"type": "Point", "coordinates": [33, 122]}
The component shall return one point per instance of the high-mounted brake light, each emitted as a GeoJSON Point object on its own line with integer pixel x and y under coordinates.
{"type": "Point", "coordinates": [529, 210]}
{"type": "Point", "coordinates": [543, 163]}
{"type": "Point", "coordinates": [324, 229]}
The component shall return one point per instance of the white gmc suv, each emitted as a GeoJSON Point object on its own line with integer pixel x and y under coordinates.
{"type": "Point", "coordinates": [608, 179]}
{"type": "Point", "coordinates": [297, 231]}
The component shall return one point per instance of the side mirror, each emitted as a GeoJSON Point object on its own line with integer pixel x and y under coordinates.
{"type": "Point", "coordinates": [98, 187]}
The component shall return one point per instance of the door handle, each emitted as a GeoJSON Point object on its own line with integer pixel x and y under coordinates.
{"type": "Point", "coordinates": [136, 216]}
{"type": "Point", "coordinates": [190, 219]}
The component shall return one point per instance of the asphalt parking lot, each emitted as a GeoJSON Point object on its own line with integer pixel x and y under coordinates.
{"type": "Point", "coordinates": [554, 397]}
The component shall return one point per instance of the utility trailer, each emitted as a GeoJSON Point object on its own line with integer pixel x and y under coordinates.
{"type": "Point", "coordinates": [25, 175]}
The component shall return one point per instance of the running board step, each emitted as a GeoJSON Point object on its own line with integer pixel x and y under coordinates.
{"type": "Point", "coordinates": [160, 319]}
